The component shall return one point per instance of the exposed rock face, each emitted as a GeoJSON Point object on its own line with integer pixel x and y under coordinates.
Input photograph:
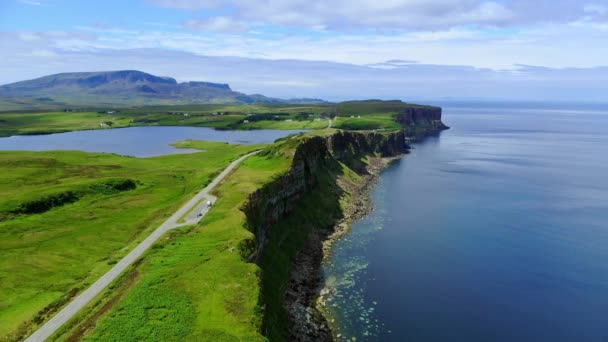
{"type": "Point", "coordinates": [415, 115]}
{"type": "Point", "coordinates": [345, 144]}
{"type": "Point", "coordinates": [314, 157]}
{"type": "Point", "coordinates": [277, 199]}
{"type": "Point", "coordinates": [421, 121]}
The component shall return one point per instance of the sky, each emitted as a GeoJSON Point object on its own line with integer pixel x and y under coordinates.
{"type": "Point", "coordinates": [545, 50]}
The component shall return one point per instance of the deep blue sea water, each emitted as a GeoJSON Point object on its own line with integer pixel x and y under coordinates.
{"type": "Point", "coordinates": [497, 230]}
{"type": "Point", "coordinates": [147, 141]}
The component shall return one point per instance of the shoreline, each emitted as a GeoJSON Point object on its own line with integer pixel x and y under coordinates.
{"type": "Point", "coordinates": [305, 297]}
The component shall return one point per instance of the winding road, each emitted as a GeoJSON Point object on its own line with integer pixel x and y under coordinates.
{"type": "Point", "coordinates": [190, 211]}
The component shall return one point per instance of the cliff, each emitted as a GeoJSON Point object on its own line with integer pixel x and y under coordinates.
{"type": "Point", "coordinates": [313, 157]}
{"type": "Point", "coordinates": [419, 122]}
{"type": "Point", "coordinates": [292, 216]}
{"type": "Point", "coordinates": [275, 200]}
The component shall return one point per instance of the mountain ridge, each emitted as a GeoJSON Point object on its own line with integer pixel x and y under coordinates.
{"type": "Point", "coordinates": [122, 88]}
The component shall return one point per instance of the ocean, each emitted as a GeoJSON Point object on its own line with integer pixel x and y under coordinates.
{"type": "Point", "coordinates": [495, 230]}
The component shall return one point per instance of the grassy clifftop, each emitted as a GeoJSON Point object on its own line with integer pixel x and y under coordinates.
{"type": "Point", "coordinates": [292, 216]}
{"type": "Point", "coordinates": [199, 282]}
{"type": "Point", "coordinates": [351, 115]}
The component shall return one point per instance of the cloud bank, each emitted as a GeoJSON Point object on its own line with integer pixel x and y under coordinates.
{"type": "Point", "coordinates": [337, 81]}
{"type": "Point", "coordinates": [408, 49]}
{"type": "Point", "coordinates": [396, 14]}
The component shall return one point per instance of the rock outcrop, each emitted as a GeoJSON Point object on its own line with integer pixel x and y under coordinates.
{"type": "Point", "coordinates": [277, 199]}
{"type": "Point", "coordinates": [419, 122]}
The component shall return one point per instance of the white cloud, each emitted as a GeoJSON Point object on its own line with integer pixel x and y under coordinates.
{"type": "Point", "coordinates": [28, 36]}
{"type": "Point", "coordinates": [489, 48]}
{"type": "Point", "coordinates": [30, 2]}
{"type": "Point", "coordinates": [43, 53]}
{"type": "Point", "coordinates": [395, 14]}
{"type": "Point", "coordinates": [219, 24]}
{"type": "Point", "coordinates": [187, 4]}
{"type": "Point", "coordinates": [596, 9]}
{"type": "Point", "coordinates": [333, 81]}
{"type": "Point", "coordinates": [321, 14]}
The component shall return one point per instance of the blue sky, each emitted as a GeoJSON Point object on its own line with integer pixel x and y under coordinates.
{"type": "Point", "coordinates": [445, 42]}
{"type": "Point", "coordinates": [69, 15]}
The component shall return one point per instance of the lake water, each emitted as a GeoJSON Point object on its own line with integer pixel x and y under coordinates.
{"type": "Point", "coordinates": [136, 141]}
{"type": "Point", "coordinates": [497, 230]}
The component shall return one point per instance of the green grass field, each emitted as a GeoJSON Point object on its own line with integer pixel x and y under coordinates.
{"type": "Point", "coordinates": [367, 122]}
{"type": "Point", "coordinates": [367, 107]}
{"type": "Point", "coordinates": [216, 116]}
{"type": "Point", "coordinates": [55, 122]}
{"type": "Point", "coordinates": [374, 114]}
{"type": "Point", "coordinates": [194, 285]}
{"type": "Point", "coordinates": [46, 258]}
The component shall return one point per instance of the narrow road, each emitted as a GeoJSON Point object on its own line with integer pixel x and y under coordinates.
{"type": "Point", "coordinates": [199, 200]}
{"type": "Point", "coordinates": [330, 122]}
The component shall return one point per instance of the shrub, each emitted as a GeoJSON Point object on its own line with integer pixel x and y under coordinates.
{"type": "Point", "coordinates": [114, 185]}
{"type": "Point", "coordinates": [43, 204]}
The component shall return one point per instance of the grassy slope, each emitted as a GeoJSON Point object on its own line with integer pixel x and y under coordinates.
{"type": "Point", "coordinates": [195, 284]}
{"type": "Point", "coordinates": [45, 256]}
{"type": "Point", "coordinates": [287, 124]}
{"type": "Point", "coordinates": [370, 114]}
{"type": "Point", "coordinates": [348, 108]}
{"type": "Point", "coordinates": [198, 115]}
{"type": "Point", "coordinates": [374, 114]}
{"type": "Point", "coordinates": [367, 122]}
{"type": "Point", "coordinates": [53, 122]}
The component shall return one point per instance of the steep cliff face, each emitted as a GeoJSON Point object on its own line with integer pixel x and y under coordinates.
{"type": "Point", "coordinates": [275, 200]}
{"type": "Point", "coordinates": [415, 115]}
{"type": "Point", "coordinates": [313, 157]}
{"type": "Point", "coordinates": [345, 145]}
{"type": "Point", "coordinates": [420, 121]}
{"type": "Point", "coordinates": [292, 216]}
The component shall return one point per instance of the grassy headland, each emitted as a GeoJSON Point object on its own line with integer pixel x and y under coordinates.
{"type": "Point", "coordinates": [352, 115]}
{"type": "Point", "coordinates": [66, 217]}
{"type": "Point", "coordinates": [197, 283]}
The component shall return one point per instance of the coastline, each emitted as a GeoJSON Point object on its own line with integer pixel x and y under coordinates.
{"type": "Point", "coordinates": [305, 298]}
{"type": "Point", "coordinates": [361, 205]}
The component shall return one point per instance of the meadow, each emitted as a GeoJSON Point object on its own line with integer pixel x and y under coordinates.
{"type": "Point", "coordinates": [49, 254]}
{"type": "Point", "coordinates": [194, 285]}
{"type": "Point", "coordinates": [56, 122]}
{"type": "Point", "coordinates": [353, 115]}
{"type": "Point", "coordinates": [379, 121]}
{"type": "Point", "coordinates": [241, 117]}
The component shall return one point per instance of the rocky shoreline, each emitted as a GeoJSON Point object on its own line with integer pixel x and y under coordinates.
{"type": "Point", "coordinates": [305, 299]}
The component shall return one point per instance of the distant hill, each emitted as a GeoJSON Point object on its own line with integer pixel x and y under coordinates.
{"type": "Point", "coordinates": [121, 88]}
